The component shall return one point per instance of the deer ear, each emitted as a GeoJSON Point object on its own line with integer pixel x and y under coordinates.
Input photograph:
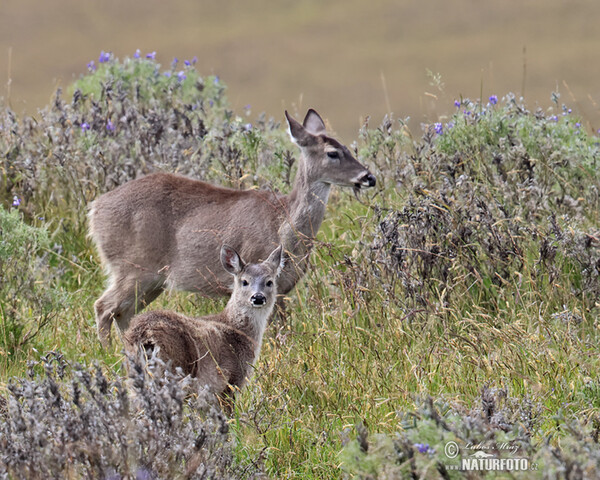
{"type": "Point", "coordinates": [277, 259]}
{"type": "Point", "coordinates": [230, 260]}
{"type": "Point", "coordinates": [297, 132]}
{"type": "Point", "coordinates": [313, 123]}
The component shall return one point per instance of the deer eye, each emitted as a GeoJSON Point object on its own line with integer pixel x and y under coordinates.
{"type": "Point", "coordinates": [269, 283]}
{"type": "Point", "coordinates": [245, 283]}
{"type": "Point", "coordinates": [333, 154]}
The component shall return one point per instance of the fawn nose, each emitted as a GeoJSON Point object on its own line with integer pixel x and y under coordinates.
{"type": "Point", "coordinates": [258, 299]}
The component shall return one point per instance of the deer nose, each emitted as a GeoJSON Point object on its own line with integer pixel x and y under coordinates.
{"type": "Point", "coordinates": [368, 180]}
{"type": "Point", "coordinates": [258, 299]}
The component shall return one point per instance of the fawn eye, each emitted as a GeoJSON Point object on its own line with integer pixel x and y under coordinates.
{"type": "Point", "coordinates": [333, 154]}
{"type": "Point", "coordinates": [270, 283]}
{"type": "Point", "coordinates": [245, 283]}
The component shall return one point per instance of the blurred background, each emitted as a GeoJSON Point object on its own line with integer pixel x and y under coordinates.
{"type": "Point", "coordinates": [349, 59]}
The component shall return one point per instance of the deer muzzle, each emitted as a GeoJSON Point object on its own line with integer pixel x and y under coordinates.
{"type": "Point", "coordinates": [258, 300]}
{"type": "Point", "coordinates": [367, 180]}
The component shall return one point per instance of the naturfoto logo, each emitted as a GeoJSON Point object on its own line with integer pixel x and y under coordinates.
{"type": "Point", "coordinates": [480, 457]}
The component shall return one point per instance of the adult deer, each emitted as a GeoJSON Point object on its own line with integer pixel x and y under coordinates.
{"type": "Point", "coordinates": [164, 231]}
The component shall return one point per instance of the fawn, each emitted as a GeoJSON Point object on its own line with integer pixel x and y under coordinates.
{"type": "Point", "coordinates": [218, 349]}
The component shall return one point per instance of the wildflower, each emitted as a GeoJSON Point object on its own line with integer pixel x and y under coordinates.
{"type": "Point", "coordinates": [181, 76]}
{"type": "Point", "coordinates": [85, 126]}
{"type": "Point", "coordinates": [216, 80]}
{"type": "Point", "coordinates": [91, 66]}
{"type": "Point", "coordinates": [110, 126]}
{"type": "Point", "coordinates": [456, 103]}
{"type": "Point", "coordinates": [104, 57]}
{"type": "Point", "coordinates": [16, 201]}
{"type": "Point", "coordinates": [174, 62]}
{"type": "Point", "coordinates": [187, 63]}
{"type": "Point", "coordinates": [577, 125]}
{"type": "Point", "coordinates": [151, 56]}
{"type": "Point", "coordinates": [247, 127]}
{"type": "Point", "coordinates": [137, 53]}
{"type": "Point", "coordinates": [554, 118]}
{"type": "Point", "coordinates": [493, 99]}
{"type": "Point", "coordinates": [167, 74]}
{"type": "Point", "coordinates": [422, 447]}
{"type": "Point", "coordinates": [439, 128]}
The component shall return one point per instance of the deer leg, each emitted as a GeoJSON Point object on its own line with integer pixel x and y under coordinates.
{"type": "Point", "coordinates": [280, 311]}
{"type": "Point", "coordinates": [122, 300]}
{"type": "Point", "coordinates": [227, 400]}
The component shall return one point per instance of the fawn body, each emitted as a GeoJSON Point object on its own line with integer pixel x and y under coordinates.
{"type": "Point", "coordinates": [218, 349]}
{"type": "Point", "coordinates": [163, 231]}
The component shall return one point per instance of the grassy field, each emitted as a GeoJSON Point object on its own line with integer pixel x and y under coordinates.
{"type": "Point", "coordinates": [457, 303]}
{"type": "Point", "coordinates": [348, 58]}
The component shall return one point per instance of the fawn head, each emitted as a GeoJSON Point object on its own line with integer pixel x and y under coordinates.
{"type": "Point", "coordinates": [255, 284]}
{"type": "Point", "coordinates": [327, 160]}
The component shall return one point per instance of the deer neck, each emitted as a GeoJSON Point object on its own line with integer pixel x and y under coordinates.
{"type": "Point", "coordinates": [249, 320]}
{"type": "Point", "coordinates": [306, 209]}
{"type": "Point", "coordinates": [249, 323]}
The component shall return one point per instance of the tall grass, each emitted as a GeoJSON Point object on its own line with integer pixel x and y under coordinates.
{"type": "Point", "coordinates": [459, 302]}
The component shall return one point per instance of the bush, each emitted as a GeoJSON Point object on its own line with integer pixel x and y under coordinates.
{"type": "Point", "coordinates": [75, 422]}
{"type": "Point", "coordinates": [29, 296]}
{"type": "Point", "coordinates": [438, 437]}
{"type": "Point", "coordinates": [125, 119]}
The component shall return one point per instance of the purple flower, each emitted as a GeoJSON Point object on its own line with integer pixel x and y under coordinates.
{"type": "Point", "coordinates": [16, 201]}
{"type": "Point", "coordinates": [91, 66]}
{"type": "Point", "coordinates": [151, 56]}
{"type": "Point", "coordinates": [85, 126]}
{"type": "Point", "coordinates": [167, 74]}
{"type": "Point", "coordinates": [422, 447]}
{"type": "Point", "coordinates": [457, 103]}
{"type": "Point", "coordinates": [493, 99]}
{"type": "Point", "coordinates": [137, 53]}
{"type": "Point", "coordinates": [174, 62]}
{"type": "Point", "coordinates": [181, 76]}
{"type": "Point", "coordinates": [194, 60]}
{"type": "Point", "coordinates": [110, 126]}
{"type": "Point", "coordinates": [187, 63]}
{"type": "Point", "coordinates": [104, 57]}
{"type": "Point", "coordinates": [216, 80]}
{"type": "Point", "coordinates": [247, 127]}
{"type": "Point", "coordinates": [554, 118]}
{"type": "Point", "coordinates": [439, 128]}
{"type": "Point", "coordinates": [577, 125]}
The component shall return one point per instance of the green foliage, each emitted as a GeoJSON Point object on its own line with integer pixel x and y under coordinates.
{"type": "Point", "coordinates": [29, 299]}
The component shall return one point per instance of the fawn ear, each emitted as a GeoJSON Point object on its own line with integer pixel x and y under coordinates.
{"type": "Point", "coordinates": [313, 123]}
{"type": "Point", "coordinates": [277, 260]}
{"type": "Point", "coordinates": [299, 135]}
{"type": "Point", "coordinates": [230, 260]}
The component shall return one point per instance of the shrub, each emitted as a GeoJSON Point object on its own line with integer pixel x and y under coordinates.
{"type": "Point", "coordinates": [29, 296]}
{"type": "Point", "coordinates": [125, 119]}
{"type": "Point", "coordinates": [75, 422]}
{"type": "Point", "coordinates": [437, 437]}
